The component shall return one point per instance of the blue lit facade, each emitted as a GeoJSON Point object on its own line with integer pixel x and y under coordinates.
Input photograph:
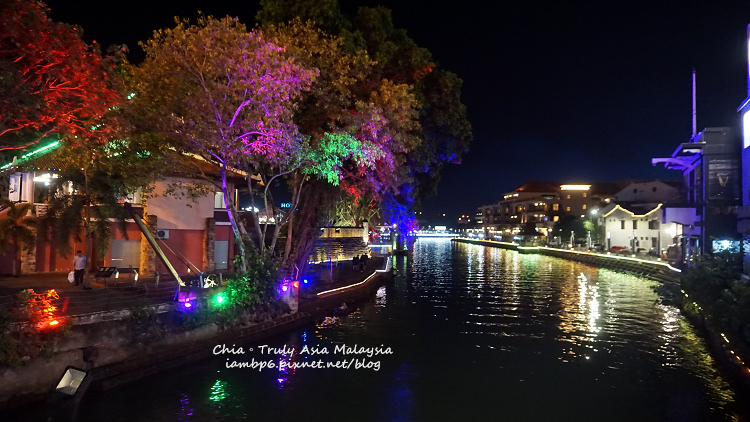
{"type": "Point", "coordinates": [711, 172]}
{"type": "Point", "coordinates": [743, 214]}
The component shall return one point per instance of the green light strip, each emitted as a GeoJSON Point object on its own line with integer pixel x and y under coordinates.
{"type": "Point", "coordinates": [29, 154]}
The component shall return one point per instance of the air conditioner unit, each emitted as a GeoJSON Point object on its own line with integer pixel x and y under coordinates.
{"type": "Point", "coordinates": [162, 234]}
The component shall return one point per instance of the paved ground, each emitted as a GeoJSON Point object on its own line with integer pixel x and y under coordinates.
{"type": "Point", "coordinates": [123, 292]}
{"type": "Point", "coordinates": [10, 285]}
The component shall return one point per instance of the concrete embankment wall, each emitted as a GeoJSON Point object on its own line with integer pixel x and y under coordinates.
{"type": "Point", "coordinates": [115, 352]}
{"type": "Point", "coordinates": [656, 270]}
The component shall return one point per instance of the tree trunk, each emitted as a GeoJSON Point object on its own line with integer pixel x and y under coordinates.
{"type": "Point", "coordinates": [229, 206]}
{"type": "Point", "coordinates": [256, 222]}
{"type": "Point", "coordinates": [89, 238]}
{"type": "Point", "coordinates": [296, 195]}
{"type": "Point", "coordinates": [16, 259]}
{"type": "Point", "coordinates": [288, 246]}
{"type": "Point", "coordinates": [306, 226]}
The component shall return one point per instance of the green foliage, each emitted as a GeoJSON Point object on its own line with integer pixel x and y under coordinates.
{"type": "Point", "coordinates": [257, 285]}
{"type": "Point", "coordinates": [568, 223]}
{"type": "Point", "coordinates": [18, 228]}
{"type": "Point", "coordinates": [82, 203]}
{"type": "Point", "coordinates": [197, 317]}
{"type": "Point", "coordinates": [8, 343]}
{"type": "Point", "coordinates": [144, 321]}
{"type": "Point", "coordinates": [324, 13]}
{"type": "Point", "coordinates": [375, 85]}
{"type": "Point", "coordinates": [717, 292]}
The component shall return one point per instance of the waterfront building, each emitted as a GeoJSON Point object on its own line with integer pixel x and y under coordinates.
{"type": "Point", "coordinates": [194, 233]}
{"type": "Point", "coordinates": [633, 220]}
{"type": "Point", "coordinates": [743, 213]}
{"type": "Point", "coordinates": [707, 209]}
{"type": "Point", "coordinates": [535, 207]}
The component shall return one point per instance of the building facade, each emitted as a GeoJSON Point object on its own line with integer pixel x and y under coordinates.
{"type": "Point", "coordinates": [194, 233]}
{"type": "Point", "coordinates": [743, 213]}
{"type": "Point", "coordinates": [633, 221]}
{"type": "Point", "coordinates": [707, 209]}
{"type": "Point", "coordinates": [536, 206]}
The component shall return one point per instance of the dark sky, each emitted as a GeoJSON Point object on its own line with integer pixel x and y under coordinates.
{"type": "Point", "coordinates": [561, 91]}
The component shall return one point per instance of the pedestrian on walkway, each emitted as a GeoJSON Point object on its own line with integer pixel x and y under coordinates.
{"type": "Point", "coordinates": [79, 268]}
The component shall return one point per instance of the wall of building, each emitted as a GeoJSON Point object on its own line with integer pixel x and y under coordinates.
{"type": "Point", "coordinates": [651, 234]}
{"type": "Point", "coordinates": [178, 212]}
{"type": "Point", "coordinates": [648, 192]}
{"type": "Point", "coordinates": [183, 248]}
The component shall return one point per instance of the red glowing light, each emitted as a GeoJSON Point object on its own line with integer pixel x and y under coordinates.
{"type": "Point", "coordinates": [54, 322]}
{"type": "Point", "coordinates": [295, 284]}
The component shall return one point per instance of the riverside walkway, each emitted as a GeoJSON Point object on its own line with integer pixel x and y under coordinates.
{"type": "Point", "coordinates": [655, 269]}
{"type": "Point", "coordinates": [124, 293]}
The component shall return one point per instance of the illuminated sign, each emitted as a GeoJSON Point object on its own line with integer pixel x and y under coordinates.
{"type": "Point", "coordinates": [575, 187]}
{"type": "Point", "coordinates": [286, 205]}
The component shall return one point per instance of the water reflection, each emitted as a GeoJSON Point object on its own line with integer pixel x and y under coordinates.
{"type": "Point", "coordinates": [478, 334]}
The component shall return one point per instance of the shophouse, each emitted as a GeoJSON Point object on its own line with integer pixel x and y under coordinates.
{"type": "Point", "coordinates": [193, 231]}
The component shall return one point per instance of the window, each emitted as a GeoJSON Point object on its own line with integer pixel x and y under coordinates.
{"type": "Point", "coordinates": [555, 218]}
{"type": "Point", "coordinates": [622, 224]}
{"type": "Point", "coordinates": [568, 196]}
{"type": "Point", "coordinates": [567, 209]}
{"type": "Point", "coordinates": [584, 194]}
{"type": "Point", "coordinates": [218, 199]}
{"type": "Point", "coordinates": [556, 207]}
{"type": "Point", "coordinates": [635, 224]}
{"type": "Point", "coordinates": [584, 206]}
{"type": "Point", "coordinates": [653, 224]}
{"type": "Point", "coordinates": [653, 243]}
{"type": "Point", "coordinates": [221, 254]}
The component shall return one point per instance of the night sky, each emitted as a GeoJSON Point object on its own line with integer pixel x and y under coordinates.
{"type": "Point", "coordinates": [556, 91]}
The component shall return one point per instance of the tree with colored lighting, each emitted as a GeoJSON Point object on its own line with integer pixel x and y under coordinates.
{"type": "Point", "coordinates": [51, 81]}
{"type": "Point", "coordinates": [225, 94]}
{"type": "Point", "coordinates": [356, 123]}
{"type": "Point", "coordinates": [442, 132]}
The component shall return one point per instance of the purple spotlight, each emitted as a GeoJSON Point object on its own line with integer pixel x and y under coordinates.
{"type": "Point", "coordinates": [188, 304]}
{"type": "Point", "coordinates": [284, 287]}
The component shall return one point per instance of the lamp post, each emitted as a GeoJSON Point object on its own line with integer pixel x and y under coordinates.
{"type": "Point", "coordinates": [595, 227]}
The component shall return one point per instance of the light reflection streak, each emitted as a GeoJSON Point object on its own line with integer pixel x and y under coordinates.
{"type": "Point", "coordinates": [186, 409]}
{"type": "Point", "coordinates": [218, 391]}
{"type": "Point", "coordinates": [380, 297]}
{"type": "Point", "coordinates": [580, 314]}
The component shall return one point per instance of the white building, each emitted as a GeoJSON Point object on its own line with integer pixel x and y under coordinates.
{"type": "Point", "coordinates": [635, 219]}
{"type": "Point", "coordinates": [638, 229]}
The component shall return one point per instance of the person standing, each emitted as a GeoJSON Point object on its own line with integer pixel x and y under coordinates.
{"type": "Point", "coordinates": [79, 268]}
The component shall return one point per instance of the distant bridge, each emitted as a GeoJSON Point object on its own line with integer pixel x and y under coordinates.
{"type": "Point", "coordinates": [426, 233]}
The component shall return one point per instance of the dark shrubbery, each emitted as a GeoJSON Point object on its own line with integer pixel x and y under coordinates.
{"type": "Point", "coordinates": [715, 289]}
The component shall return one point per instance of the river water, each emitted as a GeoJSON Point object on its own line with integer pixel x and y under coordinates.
{"type": "Point", "coordinates": [467, 333]}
